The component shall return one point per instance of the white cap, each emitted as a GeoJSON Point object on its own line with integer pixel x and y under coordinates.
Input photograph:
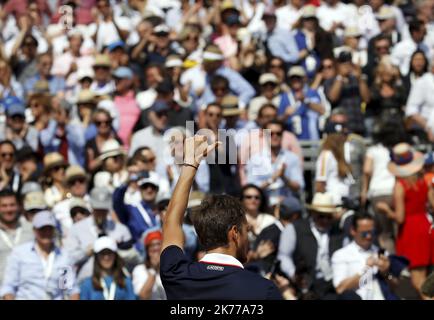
{"type": "Point", "coordinates": [85, 73]}
{"type": "Point", "coordinates": [103, 243]}
{"type": "Point", "coordinates": [267, 77]}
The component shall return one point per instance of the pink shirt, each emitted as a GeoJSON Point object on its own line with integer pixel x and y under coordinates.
{"type": "Point", "coordinates": [129, 112]}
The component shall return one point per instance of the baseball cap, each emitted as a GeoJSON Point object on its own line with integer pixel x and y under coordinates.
{"type": "Point", "coordinates": [173, 61]}
{"type": "Point", "coordinates": [43, 219]}
{"type": "Point", "coordinates": [85, 73]}
{"type": "Point", "coordinates": [16, 109]}
{"type": "Point", "coordinates": [267, 78]}
{"type": "Point", "coordinates": [101, 198]}
{"type": "Point", "coordinates": [289, 206]}
{"type": "Point", "coordinates": [334, 127]}
{"type": "Point", "coordinates": [77, 202]}
{"type": "Point", "coordinates": [296, 71]}
{"type": "Point", "coordinates": [149, 178]}
{"type": "Point", "coordinates": [159, 106]}
{"type": "Point", "coordinates": [34, 201]}
{"type": "Point", "coordinates": [114, 45]}
{"type": "Point", "coordinates": [161, 29]}
{"type": "Point", "coordinates": [104, 243]}
{"type": "Point", "coordinates": [308, 11]}
{"type": "Point", "coordinates": [385, 13]}
{"type": "Point", "coordinates": [123, 73]}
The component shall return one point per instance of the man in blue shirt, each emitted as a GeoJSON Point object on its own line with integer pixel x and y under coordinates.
{"type": "Point", "coordinates": [140, 216]}
{"type": "Point", "coordinates": [222, 230]}
{"type": "Point", "coordinates": [301, 107]}
{"type": "Point", "coordinates": [38, 270]}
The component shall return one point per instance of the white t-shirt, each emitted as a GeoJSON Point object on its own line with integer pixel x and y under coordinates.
{"type": "Point", "coordinates": [327, 171]}
{"type": "Point", "coordinates": [140, 276]}
{"type": "Point", "coordinates": [382, 181]}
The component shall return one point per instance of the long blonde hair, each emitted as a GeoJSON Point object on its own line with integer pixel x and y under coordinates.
{"type": "Point", "coordinates": [334, 142]}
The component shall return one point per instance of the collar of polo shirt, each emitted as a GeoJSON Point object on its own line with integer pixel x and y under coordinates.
{"type": "Point", "coordinates": [221, 259]}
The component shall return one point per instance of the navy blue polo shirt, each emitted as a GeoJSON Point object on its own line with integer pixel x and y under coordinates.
{"type": "Point", "coordinates": [183, 279]}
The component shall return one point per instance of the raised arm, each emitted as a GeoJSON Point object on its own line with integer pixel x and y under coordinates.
{"type": "Point", "coordinates": [195, 149]}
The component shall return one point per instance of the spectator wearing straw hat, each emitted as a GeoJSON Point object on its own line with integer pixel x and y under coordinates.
{"type": "Point", "coordinates": [102, 83]}
{"type": "Point", "coordinates": [33, 203]}
{"type": "Point", "coordinates": [76, 186]}
{"type": "Point", "coordinates": [415, 240]}
{"type": "Point", "coordinates": [53, 178]}
{"type": "Point", "coordinates": [307, 245]}
{"type": "Point", "coordinates": [112, 173]}
{"type": "Point", "coordinates": [86, 104]}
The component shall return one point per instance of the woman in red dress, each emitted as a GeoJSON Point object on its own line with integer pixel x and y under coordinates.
{"type": "Point", "coordinates": [411, 194]}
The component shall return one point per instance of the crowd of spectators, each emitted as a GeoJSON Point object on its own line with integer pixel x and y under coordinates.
{"type": "Point", "coordinates": [97, 97]}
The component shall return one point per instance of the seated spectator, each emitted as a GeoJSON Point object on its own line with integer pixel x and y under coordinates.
{"type": "Point", "coordinates": [104, 132]}
{"type": "Point", "coordinates": [138, 216]}
{"type": "Point", "coordinates": [102, 83]}
{"type": "Point", "coordinates": [301, 107]}
{"type": "Point", "coordinates": [361, 270]}
{"type": "Point", "coordinates": [269, 94]}
{"type": "Point", "coordinates": [75, 182]}
{"type": "Point", "coordinates": [10, 178]}
{"type": "Point", "coordinates": [255, 205]}
{"type": "Point", "coordinates": [54, 178]}
{"type": "Point", "coordinates": [14, 229]}
{"type": "Point", "coordinates": [17, 130]}
{"type": "Point", "coordinates": [40, 107]}
{"type": "Point", "coordinates": [79, 209]}
{"type": "Point", "coordinates": [28, 165]}
{"type": "Point", "coordinates": [348, 90]}
{"type": "Point", "coordinates": [278, 172]}
{"type": "Point", "coordinates": [419, 65]}
{"type": "Point", "coordinates": [33, 203]}
{"type": "Point", "coordinates": [146, 276]}
{"type": "Point", "coordinates": [28, 263]}
{"type": "Point", "coordinates": [56, 84]}
{"type": "Point", "coordinates": [108, 280]}
{"type": "Point", "coordinates": [112, 173]}
{"type": "Point", "coordinates": [64, 136]}
{"type": "Point", "coordinates": [306, 248]}
{"type": "Point", "coordinates": [81, 238]}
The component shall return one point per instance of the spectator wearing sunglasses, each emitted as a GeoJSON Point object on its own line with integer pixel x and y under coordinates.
{"type": "Point", "coordinates": [255, 205]}
{"type": "Point", "coordinates": [103, 122]}
{"type": "Point", "coordinates": [362, 270]}
{"type": "Point", "coordinates": [9, 177]}
{"type": "Point", "coordinates": [306, 248]}
{"type": "Point", "coordinates": [75, 186]}
{"type": "Point", "coordinates": [53, 178]}
{"type": "Point", "coordinates": [139, 216]}
{"type": "Point", "coordinates": [152, 135]}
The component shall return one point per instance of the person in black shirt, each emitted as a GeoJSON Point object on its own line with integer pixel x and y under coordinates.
{"type": "Point", "coordinates": [222, 229]}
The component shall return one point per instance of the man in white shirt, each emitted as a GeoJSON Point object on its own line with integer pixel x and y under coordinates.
{"type": "Point", "coordinates": [420, 103]}
{"type": "Point", "coordinates": [358, 267]}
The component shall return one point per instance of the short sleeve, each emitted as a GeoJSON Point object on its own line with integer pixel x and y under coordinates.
{"type": "Point", "coordinates": [172, 261]}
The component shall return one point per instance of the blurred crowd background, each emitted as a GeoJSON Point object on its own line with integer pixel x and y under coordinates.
{"type": "Point", "coordinates": [94, 95]}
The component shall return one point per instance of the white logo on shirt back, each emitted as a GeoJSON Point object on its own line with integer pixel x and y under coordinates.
{"type": "Point", "coordinates": [215, 268]}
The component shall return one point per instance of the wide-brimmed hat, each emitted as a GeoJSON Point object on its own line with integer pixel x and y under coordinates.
{"type": "Point", "coordinates": [86, 96]}
{"type": "Point", "coordinates": [405, 161]}
{"type": "Point", "coordinates": [111, 148]}
{"type": "Point", "coordinates": [230, 106]}
{"type": "Point", "coordinates": [53, 159]}
{"type": "Point", "coordinates": [102, 60]}
{"type": "Point", "coordinates": [74, 171]}
{"type": "Point", "coordinates": [322, 202]}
